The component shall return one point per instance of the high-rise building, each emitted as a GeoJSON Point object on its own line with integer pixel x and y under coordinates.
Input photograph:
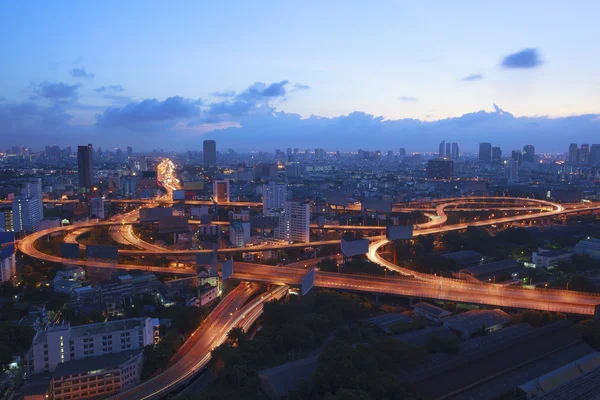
{"type": "Point", "coordinates": [239, 233]}
{"type": "Point", "coordinates": [28, 208]}
{"type": "Point", "coordinates": [485, 152]}
{"type": "Point", "coordinates": [97, 208]}
{"type": "Point", "coordinates": [274, 196]}
{"type": "Point", "coordinates": [595, 154]}
{"type": "Point", "coordinates": [221, 191]}
{"type": "Point", "coordinates": [440, 169]}
{"type": "Point", "coordinates": [32, 189]}
{"type": "Point", "coordinates": [454, 154]}
{"type": "Point", "coordinates": [448, 150]}
{"type": "Point", "coordinates": [573, 153]}
{"type": "Point", "coordinates": [129, 151]}
{"type": "Point", "coordinates": [296, 220]}
{"type": "Point", "coordinates": [319, 153]}
{"type": "Point", "coordinates": [512, 168]}
{"type": "Point", "coordinates": [517, 155]}
{"type": "Point", "coordinates": [402, 152]}
{"type": "Point", "coordinates": [8, 266]}
{"type": "Point", "coordinates": [584, 153]}
{"type": "Point", "coordinates": [442, 149]}
{"type": "Point", "coordinates": [85, 167]}
{"type": "Point", "coordinates": [209, 148]}
{"type": "Point", "coordinates": [528, 153]}
{"type": "Point", "coordinates": [496, 155]}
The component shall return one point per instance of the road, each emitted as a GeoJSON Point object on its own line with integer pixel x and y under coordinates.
{"type": "Point", "coordinates": [213, 332]}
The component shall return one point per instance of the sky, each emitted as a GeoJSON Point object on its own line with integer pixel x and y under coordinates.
{"type": "Point", "coordinates": [262, 75]}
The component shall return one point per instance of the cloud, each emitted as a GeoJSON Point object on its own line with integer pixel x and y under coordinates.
{"type": "Point", "coordinates": [149, 113]}
{"type": "Point", "coordinates": [526, 58]}
{"type": "Point", "coordinates": [57, 92]}
{"type": "Point", "coordinates": [275, 89]}
{"type": "Point", "coordinates": [408, 98]}
{"type": "Point", "coordinates": [113, 88]}
{"type": "Point", "coordinates": [2, 98]}
{"type": "Point", "coordinates": [82, 73]}
{"type": "Point", "coordinates": [473, 77]}
{"type": "Point", "coordinates": [224, 93]}
{"type": "Point", "coordinates": [300, 86]}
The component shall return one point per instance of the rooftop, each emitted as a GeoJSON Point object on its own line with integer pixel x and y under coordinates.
{"type": "Point", "coordinates": [95, 364]}
{"type": "Point", "coordinates": [490, 268]}
{"type": "Point", "coordinates": [430, 309]}
{"type": "Point", "coordinates": [384, 321]}
{"type": "Point", "coordinates": [472, 321]}
{"type": "Point", "coordinates": [460, 255]}
{"type": "Point", "coordinates": [279, 380]}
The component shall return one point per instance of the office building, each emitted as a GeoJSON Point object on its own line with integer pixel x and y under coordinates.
{"type": "Point", "coordinates": [485, 152]}
{"type": "Point", "coordinates": [448, 150]}
{"type": "Point", "coordinates": [513, 170]}
{"type": "Point", "coordinates": [210, 153]}
{"type": "Point", "coordinates": [85, 168]}
{"type": "Point", "coordinates": [98, 377]}
{"type": "Point", "coordinates": [26, 214]}
{"type": "Point", "coordinates": [573, 153]}
{"type": "Point", "coordinates": [97, 208]}
{"type": "Point", "coordinates": [595, 154]}
{"type": "Point", "coordinates": [274, 196]}
{"type": "Point", "coordinates": [63, 343]}
{"type": "Point", "coordinates": [454, 154]}
{"type": "Point", "coordinates": [402, 152]}
{"type": "Point", "coordinates": [239, 233]}
{"type": "Point", "coordinates": [589, 247]}
{"type": "Point", "coordinates": [262, 171]}
{"type": "Point", "coordinates": [129, 151]}
{"type": "Point", "coordinates": [221, 191]}
{"type": "Point", "coordinates": [319, 154]}
{"type": "Point", "coordinates": [32, 189]}
{"type": "Point", "coordinates": [128, 187]}
{"type": "Point", "coordinates": [528, 153]}
{"type": "Point", "coordinates": [584, 153]}
{"type": "Point", "coordinates": [442, 149]}
{"type": "Point", "coordinates": [440, 169]}
{"type": "Point", "coordinates": [496, 155]}
{"type": "Point", "coordinates": [8, 265]}
{"type": "Point", "coordinates": [517, 156]}
{"type": "Point", "coordinates": [294, 222]}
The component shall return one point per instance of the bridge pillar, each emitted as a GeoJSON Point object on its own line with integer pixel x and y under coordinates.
{"type": "Point", "coordinates": [597, 312]}
{"type": "Point", "coordinates": [411, 301]}
{"type": "Point", "coordinates": [376, 298]}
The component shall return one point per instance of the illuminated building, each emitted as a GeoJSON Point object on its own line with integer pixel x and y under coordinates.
{"type": "Point", "coordinates": [221, 191]}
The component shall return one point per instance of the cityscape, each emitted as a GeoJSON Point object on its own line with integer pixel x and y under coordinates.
{"type": "Point", "coordinates": [259, 244]}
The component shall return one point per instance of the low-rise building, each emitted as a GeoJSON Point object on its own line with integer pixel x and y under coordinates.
{"type": "Point", "coordinates": [546, 258]}
{"type": "Point", "coordinates": [465, 258]}
{"type": "Point", "coordinates": [430, 312]}
{"type": "Point", "coordinates": [589, 247]}
{"type": "Point", "coordinates": [490, 271]}
{"type": "Point", "coordinates": [476, 321]}
{"type": "Point", "coordinates": [63, 343]}
{"type": "Point", "coordinates": [97, 377]}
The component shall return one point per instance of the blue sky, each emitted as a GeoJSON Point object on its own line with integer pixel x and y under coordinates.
{"type": "Point", "coordinates": [65, 63]}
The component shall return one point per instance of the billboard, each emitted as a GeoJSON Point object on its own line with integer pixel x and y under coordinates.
{"type": "Point", "coordinates": [97, 252]}
{"type": "Point", "coordinates": [402, 232]}
{"type": "Point", "coordinates": [207, 260]}
{"type": "Point", "coordinates": [7, 243]}
{"type": "Point", "coordinates": [152, 214]}
{"type": "Point", "coordinates": [69, 250]}
{"type": "Point", "coordinates": [227, 269]}
{"type": "Point", "coordinates": [308, 282]}
{"type": "Point", "coordinates": [356, 247]}
{"type": "Point", "coordinates": [336, 198]}
{"type": "Point", "coordinates": [173, 224]}
{"type": "Point", "coordinates": [178, 195]}
{"type": "Point", "coordinates": [377, 205]}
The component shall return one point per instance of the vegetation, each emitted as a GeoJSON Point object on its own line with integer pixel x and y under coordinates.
{"type": "Point", "coordinates": [437, 344]}
{"type": "Point", "coordinates": [537, 318]}
{"type": "Point", "coordinates": [14, 339]}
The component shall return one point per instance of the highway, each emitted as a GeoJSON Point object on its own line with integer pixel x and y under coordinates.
{"type": "Point", "coordinates": [195, 355]}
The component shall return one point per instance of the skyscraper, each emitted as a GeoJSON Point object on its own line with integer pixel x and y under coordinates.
{"type": "Point", "coordinates": [274, 196]}
{"type": "Point", "coordinates": [448, 150]}
{"type": "Point", "coordinates": [496, 155]}
{"type": "Point", "coordinates": [513, 170]}
{"type": "Point", "coordinates": [573, 153]}
{"type": "Point", "coordinates": [455, 152]}
{"type": "Point", "coordinates": [209, 148]}
{"type": "Point", "coordinates": [442, 149]}
{"type": "Point", "coordinates": [402, 152]}
{"type": "Point", "coordinates": [485, 152]}
{"type": "Point", "coordinates": [296, 219]}
{"type": "Point", "coordinates": [584, 153]}
{"type": "Point", "coordinates": [129, 151]}
{"type": "Point", "coordinates": [517, 155]}
{"type": "Point", "coordinates": [528, 153]}
{"type": "Point", "coordinates": [595, 154]}
{"type": "Point", "coordinates": [85, 167]}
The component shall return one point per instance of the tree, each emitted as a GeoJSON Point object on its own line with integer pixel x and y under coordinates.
{"type": "Point", "coordinates": [236, 336]}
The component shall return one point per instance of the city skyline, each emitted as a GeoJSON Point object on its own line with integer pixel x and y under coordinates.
{"type": "Point", "coordinates": [399, 76]}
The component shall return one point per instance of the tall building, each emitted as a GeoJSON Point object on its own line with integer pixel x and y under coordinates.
{"type": "Point", "coordinates": [584, 153]}
{"type": "Point", "coordinates": [573, 153]}
{"type": "Point", "coordinates": [319, 153]}
{"type": "Point", "coordinates": [440, 169]}
{"type": "Point", "coordinates": [296, 220]}
{"type": "Point", "coordinates": [8, 265]}
{"type": "Point", "coordinates": [129, 151]}
{"type": "Point", "coordinates": [517, 155]}
{"type": "Point", "coordinates": [85, 167]}
{"type": "Point", "coordinates": [442, 149]}
{"type": "Point", "coordinates": [595, 154]}
{"type": "Point", "coordinates": [97, 208]}
{"type": "Point", "coordinates": [528, 153]}
{"type": "Point", "coordinates": [496, 155]}
{"type": "Point", "coordinates": [32, 189]}
{"type": "Point", "coordinates": [63, 343]}
{"type": "Point", "coordinates": [28, 208]}
{"type": "Point", "coordinates": [402, 152]}
{"type": "Point", "coordinates": [209, 147]}
{"type": "Point", "coordinates": [221, 191]}
{"type": "Point", "coordinates": [239, 233]}
{"type": "Point", "coordinates": [448, 150]}
{"type": "Point", "coordinates": [274, 196]}
{"type": "Point", "coordinates": [513, 170]}
{"type": "Point", "coordinates": [454, 154]}
{"type": "Point", "coordinates": [485, 152]}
